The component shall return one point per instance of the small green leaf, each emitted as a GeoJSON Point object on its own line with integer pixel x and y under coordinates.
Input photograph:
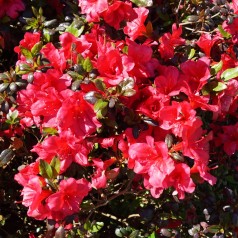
{"type": "Point", "coordinates": [224, 33]}
{"type": "Point", "coordinates": [3, 87]}
{"type": "Point", "coordinates": [97, 227]}
{"type": "Point", "coordinates": [127, 83]}
{"type": "Point", "coordinates": [36, 48]}
{"type": "Point", "coordinates": [27, 53]}
{"type": "Point", "coordinates": [55, 166]}
{"type": "Point", "coordinates": [74, 30]}
{"type": "Point", "coordinates": [3, 76]}
{"type": "Point", "coordinates": [229, 74]}
{"type": "Point", "coordinates": [129, 93]}
{"type": "Point", "coordinates": [50, 23]}
{"type": "Point", "coordinates": [191, 53]}
{"type": "Point", "coordinates": [45, 169]}
{"type": "Point", "coordinates": [100, 107]}
{"type": "Point", "coordinates": [100, 104]}
{"type": "Point", "coordinates": [92, 97]}
{"type": "Point", "coordinates": [12, 115]}
{"type": "Point", "coordinates": [152, 235]}
{"type": "Point", "coordinates": [216, 68]}
{"type": "Point", "coordinates": [35, 12]}
{"type": "Point", "coordinates": [213, 229]}
{"type": "Point", "coordinates": [49, 131]}
{"type": "Point", "coordinates": [87, 65]}
{"type": "Point", "coordinates": [100, 84]}
{"type": "Point", "coordinates": [134, 234]}
{"type": "Point", "coordinates": [143, 3]}
{"type": "Point", "coordinates": [46, 35]}
{"type": "Point", "coordinates": [118, 232]}
{"type": "Point", "coordinates": [87, 225]}
{"type": "Point", "coordinates": [220, 87]}
{"type": "Point", "coordinates": [5, 157]}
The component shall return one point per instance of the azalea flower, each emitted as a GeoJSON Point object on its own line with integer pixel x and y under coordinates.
{"type": "Point", "coordinates": [136, 27]}
{"type": "Point", "coordinates": [77, 116]}
{"type": "Point", "coordinates": [66, 201]}
{"type": "Point", "coordinates": [168, 41]}
{"type": "Point", "coordinates": [93, 9]}
{"type": "Point", "coordinates": [11, 8]}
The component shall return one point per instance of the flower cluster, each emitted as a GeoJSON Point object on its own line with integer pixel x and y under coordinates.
{"type": "Point", "coordinates": [104, 102]}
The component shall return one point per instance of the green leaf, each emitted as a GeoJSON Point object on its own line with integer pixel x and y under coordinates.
{"type": "Point", "coordinates": [87, 65]}
{"type": "Point", "coordinates": [23, 69]}
{"type": "Point", "coordinates": [46, 35]}
{"type": "Point", "coordinates": [224, 33]}
{"type": "Point", "coordinates": [74, 30]}
{"type": "Point", "coordinates": [134, 234]}
{"type": "Point", "coordinates": [129, 92]}
{"type": "Point", "coordinates": [152, 235]}
{"type": "Point", "coordinates": [213, 229]}
{"type": "Point", "coordinates": [127, 83]}
{"type": "Point", "coordinates": [100, 107]}
{"type": "Point", "coordinates": [3, 76]}
{"type": "Point", "coordinates": [92, 97]}
{"type": "Point", "coordinates": [45, 169]}
{"type": "Point", "coordinates": [220, 87]}
{"type": "Point", "coordinates": [126, 87]}
{"type": "Point", "coordinates": [229, 74]}
{"type": "Point", "coordinates": [3, 87]}
{"type": "Point", "coordinates": [118, 232]}
{"type": "Point", "coordinates": [12, 115]}
{"type": "Point", "coordinates": [35, 12]}
{"type": "Point", "coordinates": [100, 84]}
{"type": "Point", "coordinates": [100, 104]}
{"type": "Point", "coordinates": [26, 53]}
{"type": "Point", "coordinates": [97, 227]}
{"type": "Point", "coordinates": [36, 48]}
{"type": "Point", "coordinates": [216, 68]}
{"type": "Point", "coordinates": [5, 157]}
{"type": "Point", "coordinates": [49, 131]}
{"type": "Point", "coordinates": [55, 166]}
{"type": "Point", "coordinates": [143, 3]}
{"type": "Point", "coordinates": [191, 53]}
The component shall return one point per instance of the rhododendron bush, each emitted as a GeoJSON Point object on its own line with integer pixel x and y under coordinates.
{"type": "Point", "coordinates": [119, 118]}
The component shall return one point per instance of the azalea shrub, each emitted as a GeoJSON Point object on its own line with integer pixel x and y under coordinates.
{"type": "Point", "coordinates": [119, 118]}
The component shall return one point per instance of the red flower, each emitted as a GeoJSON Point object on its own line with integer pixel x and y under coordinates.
{"type": "Point", "coordinates": [168, 41]}
{"type": "Point", "coordinates": [33, 197]}
{"type": "Point", "coordinates": [25, 174]}
{"type": "Point", "coordinates": [11, 8]}
{"type": "Point", "coordinates": [176, 116]}
{"type": "Point", "coordinates": [180, 180]}
{"type": "Point", "coordinates": [67, 200]}
{"type": "Point", "coordinates": [30, 39]}
{"type": "Point", "coordinates": [232, 28]}
{"type": "Point", "coordinates": [196, 146]}
{"type": "Point", "coordinates": [52, 78]}
{"type": "Point", "coordinates": [151, 159]}
{"type": "Point", "coordinates": [229, 139]}
{"type": "Point", "coordinates": [206, 42]}
{"type": "Point", "coordinates": [109, 65]}
{"type": "Point", "coordinates": [118, 12]}
{"type": "Point", "coordinates": [66, 147]}
{"type": "Point", "coordinates": [196, 73]}
{"type": "Point", "coordinates": [72, 46]}
{"type": "Point", "coordinates": [77, 116]}
{"type": "Point", "coordinates": [137, 66]}
{"type": "Point", "coordinates": [93, 9]}
{"type": "Point", "coordinates": [55, 57]}
{"type": "Point", "coordinates": [102, 174]}
{"type": "Point", "coordinates": [169, 82]}
{"type": "Point", "coordinates": [136, 27]}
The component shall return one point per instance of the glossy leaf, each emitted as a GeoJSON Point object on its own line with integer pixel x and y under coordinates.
{"type": "Point", "coordinates": [229, 74]}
